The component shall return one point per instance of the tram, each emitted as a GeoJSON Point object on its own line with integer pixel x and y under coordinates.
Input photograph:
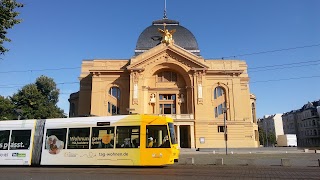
{"type": "Point", "coordinates": [124, 140]}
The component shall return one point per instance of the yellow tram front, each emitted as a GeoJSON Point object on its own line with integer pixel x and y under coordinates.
{"type": "Point", "coordinates": [158, 141]}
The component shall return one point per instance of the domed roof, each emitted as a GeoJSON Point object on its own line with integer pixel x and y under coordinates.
{"type": "Point", "coordinates": [151, 37]}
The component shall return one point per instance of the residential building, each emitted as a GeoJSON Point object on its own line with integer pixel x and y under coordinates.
{"type": "Point", "coordinates": [271, 124]}
{"type": "Point", "coordinates": [308, 125]}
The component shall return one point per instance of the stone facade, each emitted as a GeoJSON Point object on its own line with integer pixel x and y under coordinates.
{"type": "Point", "coordinates": [170, 80]}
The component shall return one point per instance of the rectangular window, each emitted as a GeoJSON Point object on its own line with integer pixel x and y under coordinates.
{"type": "Point", "coordinates": [109, 107]}
{"type": "Point", "coordinates": [167, 109]}
{"type": "Point", "coordinates": [114, 109]}
{"type": "Point", "coordinates": [157, 136]}
{"type": "Point", "coordinates": [20, 139]}
{"type": "Point", "coordinates": [4, 139]}
{"type": "Point", "coordinates": [102, 137]}
{"type": "Point", "coordinates": [55, 140]}
{"type": "Point", "coordinates": [78, 138]}
{"type": "Point", "coordinates": [220, 128]}
{"type": "Point", "coordinates": [128, 137]}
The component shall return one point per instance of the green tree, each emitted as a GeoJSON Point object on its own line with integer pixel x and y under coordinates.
{"type": "Point", "coordinates": [39, 100]}
{"type": "Point", "coordinates": [6, 108]}
{"type": "Point", "coordinates": [262, 136]}
{"type": "Point", "coordinates": [272, 138]}
{"type": "Point", "coordinates": [8, 20]}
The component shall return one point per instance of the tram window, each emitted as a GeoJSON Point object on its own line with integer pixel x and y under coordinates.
{"type": "Point", "coordinates": [4, 140]}
{"type": "Point", "coordinates": [102, 137]}
{"type": "Point", "coordinates": [55, 140]}
{"type": "Point", "coordinates": [172, 133]}
{"type": "Point", "coordinates": [128, 137]}
{"type": "Point", "coordinates": [20, 139]}
{"type": "Point", "coordinates": [78, 138]}
{"type": "Point", "coordinates": [157, 136]}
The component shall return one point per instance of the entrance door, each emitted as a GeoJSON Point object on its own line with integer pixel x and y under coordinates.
{"type": "Point", "coordinates": [185, 138]}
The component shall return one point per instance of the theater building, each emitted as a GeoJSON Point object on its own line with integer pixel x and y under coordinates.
{"type": "Point", "coordinates": [167, 76]}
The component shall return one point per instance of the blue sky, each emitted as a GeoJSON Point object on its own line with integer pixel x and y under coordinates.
{"type": "Point", "coordinates": [60, 34]}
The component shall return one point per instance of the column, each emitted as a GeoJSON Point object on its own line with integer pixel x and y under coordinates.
{"type": "Point", "coordinates": [178, 135]}
{"type": "Point", "coordinates": [192, 137]}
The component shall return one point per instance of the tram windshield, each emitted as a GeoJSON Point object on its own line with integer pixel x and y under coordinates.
{"type": "Point", "coordinates": [172, 134]}
{"type": "Point", "coordinates": [157, 136]}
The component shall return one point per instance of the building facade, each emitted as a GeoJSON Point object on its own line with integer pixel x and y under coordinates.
{"type": "Point", "coordinates": [167, 76]}
{"type": "Point", "coordinates": [307, 124]}
{"type": "Point", "coordinates": [271, 125]}
{"type": "Point", "coordinates": [289, 121]}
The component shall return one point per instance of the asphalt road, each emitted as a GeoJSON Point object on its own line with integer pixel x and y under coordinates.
{"type": "Point", "coordinates": [240, 164]}
{"type": "Point", "coordinates": [183, 172]}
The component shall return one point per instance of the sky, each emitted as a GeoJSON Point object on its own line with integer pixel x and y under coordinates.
{"type": "Point", "coordinates": [279, 41]}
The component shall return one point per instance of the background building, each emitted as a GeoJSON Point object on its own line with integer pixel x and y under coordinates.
{"type": "Point", "coordinates": [307, 124]}
{"type": "Point", "coordinates": [271, 125]}
{"type": "Point", "coordinates": [167, 76]}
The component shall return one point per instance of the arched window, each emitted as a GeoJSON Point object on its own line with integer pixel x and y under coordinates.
{"type": "Point", "coordinates": [218, 91]}
{"type": "Point", "coordinates": [167, 76]}
{"type": "Point", "coordinates": [114, 100]}
{"type": "Point", "coordinates": [115, 92]}
{"type": "Point", "coordinates": [220, 101]}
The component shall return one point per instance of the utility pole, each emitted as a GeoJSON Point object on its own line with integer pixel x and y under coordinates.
{"type": "Point", "coordinates": [224, 110]}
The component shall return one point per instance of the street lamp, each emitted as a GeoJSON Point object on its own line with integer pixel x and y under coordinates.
{"type": "Point", "coordinates": [224, 110]}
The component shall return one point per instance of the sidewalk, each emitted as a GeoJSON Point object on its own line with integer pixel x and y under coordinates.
{"type": "Point", "coordinates": [262, 150]}
{"type": "Point", "coordinates": [250, 156]}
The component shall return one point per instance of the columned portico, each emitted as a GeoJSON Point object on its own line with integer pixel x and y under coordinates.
{"type": "Point", "coordinates": [187, 140]}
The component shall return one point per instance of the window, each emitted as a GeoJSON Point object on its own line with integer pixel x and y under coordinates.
{"type": "Point", "coordinates": [172, 134]}
{"type": "Point", "coordinates": [115, 92]}
{"type": "Point", "coordinates": [253, 111]}
{"type": "Point", "coordinates": [220, 128]}
{"type": "Point", "coordinates": [128, 137]}
{"type": "Point", "coordinates": [20, 139]}
{"type": "Point", "coordinates": [218, 91]}
{"type": "Point", "coordinates": [167, 97]}
{"type": "Point", "coordinates": [55, 140]}
{"type": "Point", "coordinates": [167, 76]}
{"type": "Point", "coordinates": [157, 136]}
{"type": "Point", "coordinates": [78, 138]}
{"type": "Point", "coordinates": [102, 137]}
{"type": "Point", "coordinates": [167, 108]}
{"type": "Point", "coordinates": [219, 109]}
{"type": "Point", "coordinates": [4, 140]}
{"type": "Point", "coordinates": [114, 101]}
{"type": "Point", "coordinates": [167, 104]}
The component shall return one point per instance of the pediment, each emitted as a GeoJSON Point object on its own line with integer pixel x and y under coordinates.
{"type": "Point", "coordinates": [166, 53]}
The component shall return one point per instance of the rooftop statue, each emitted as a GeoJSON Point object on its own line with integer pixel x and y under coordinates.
{"type": "Point", "coordinates": [167, 35]}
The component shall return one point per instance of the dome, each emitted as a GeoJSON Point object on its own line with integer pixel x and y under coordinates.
{"type": "Point", "coordinates": [151, 37]}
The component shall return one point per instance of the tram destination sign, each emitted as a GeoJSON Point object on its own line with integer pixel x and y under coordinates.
{"type": "Point", "coordinates": [103, 123]}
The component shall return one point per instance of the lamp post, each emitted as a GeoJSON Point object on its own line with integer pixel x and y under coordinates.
{"type": "Point", "coordinates": [224, 110]}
